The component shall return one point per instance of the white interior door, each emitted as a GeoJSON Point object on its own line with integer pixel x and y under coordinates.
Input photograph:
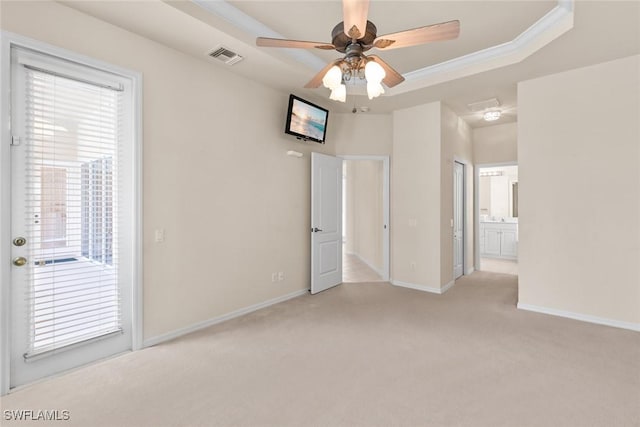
{"type": "Point", "coordinates": [71, 271]}
{"type": "Point", "coordinates": [458, 219]}
{"type": "Point", "coordinates": [326, 222]}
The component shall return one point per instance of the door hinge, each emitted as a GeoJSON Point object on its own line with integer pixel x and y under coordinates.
{"type": "Point", "coordinates": [15, 140]}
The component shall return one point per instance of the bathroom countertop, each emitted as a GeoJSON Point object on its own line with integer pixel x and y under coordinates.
{"type": "Point", "coordinates": [498, 221]}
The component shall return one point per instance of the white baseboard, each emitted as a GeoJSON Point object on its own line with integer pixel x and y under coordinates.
{"type": "Point", "coordinates": [448, 286]}
{"type": "Point", "coordinates": [431, 289]}
{"type": "Point", "coordinates": [469, 271]}
{"type": "Point", "coordinates": [368, 264]}
{"type": "Point", "coordinates": [237, 313]}
{"type": "Point", "coordinates": [581, 317]}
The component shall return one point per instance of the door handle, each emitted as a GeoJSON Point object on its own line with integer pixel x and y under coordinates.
{"type": "Point", "coordinates": [19, 261]}
{"type": "Point", "coordinates": [315, 230]}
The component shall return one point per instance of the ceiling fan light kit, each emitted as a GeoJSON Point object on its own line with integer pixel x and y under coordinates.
{"type": "Point", "coordinates": [356, 35]}
{"type": "Point", "coordinates": [374, 90]}
{"type": "Point", "coordinates": [339, 93]}
{"type": "Point", "coordinates": [333, 78]}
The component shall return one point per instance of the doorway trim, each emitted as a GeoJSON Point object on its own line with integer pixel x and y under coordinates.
{"type": "Point", "coordinates": [464, 218]}
{"type": "Point", "coordinates": [8, 41]}
{"type": "Point", "coordinates": [386, 276]}
{"type": "Point", "coordinates": [467, 266]}
{"type": "Point", "coordinates": [476, 205]}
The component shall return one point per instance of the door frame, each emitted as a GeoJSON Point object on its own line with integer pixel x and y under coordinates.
{"type": "Point", "coordinates": [468, 263]}
{"type": "Point", "coordinates": [464, 217]}
{"type": "Point", "coordinates": [386, 273]}
{"type": "Point", "coordinates": [9, 40]}
{"type": "Point", "coordinates": [476, 205]}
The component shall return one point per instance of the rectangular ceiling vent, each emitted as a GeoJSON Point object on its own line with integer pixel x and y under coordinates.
{"type": "Point", "coordinates": [225, 55]}
{"type": "Point", "coordinates": [483, 105]}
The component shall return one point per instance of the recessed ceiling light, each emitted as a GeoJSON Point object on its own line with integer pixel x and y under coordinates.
{"type": "Point", "coordinates": [490, 116]}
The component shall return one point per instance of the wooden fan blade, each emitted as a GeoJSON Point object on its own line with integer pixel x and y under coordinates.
{"type": "Point", "coordinates": [431, 33]}
{"type": "Point", "coordinates": [316, 81]}
{"type": "Point", "coordinates": [392, 77]}
{"type": "Point", "coordinates": [354, 15]}
{"type": "Point", "coordinates": [300, 44]}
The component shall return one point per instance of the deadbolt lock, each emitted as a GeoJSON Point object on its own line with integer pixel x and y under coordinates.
{"type": "Point", "coordinates": [20, 261]}
{"type": "Point", "coordinates": [19, 241]}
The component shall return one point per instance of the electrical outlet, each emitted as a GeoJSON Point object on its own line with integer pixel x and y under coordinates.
{"type": "Point", "coordinates": [280, 276]}
{"type": "Point", "coordinates": [274, 277]}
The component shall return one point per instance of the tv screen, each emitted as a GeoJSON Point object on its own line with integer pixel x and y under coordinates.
{"type": "Point", "coordinates": [305, 120]}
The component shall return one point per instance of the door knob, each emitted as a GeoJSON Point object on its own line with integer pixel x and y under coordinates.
{"type": "Point", "coordinates": [316, 229]}
{"type": "Point", "coordinates": [19, 261]}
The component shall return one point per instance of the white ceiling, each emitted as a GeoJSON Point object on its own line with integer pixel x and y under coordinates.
{"type": "Point", "coordinates": [600, 31]}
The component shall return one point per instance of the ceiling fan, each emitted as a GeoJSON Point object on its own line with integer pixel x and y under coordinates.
{"type": "Point", "coordinates": [356, 35]}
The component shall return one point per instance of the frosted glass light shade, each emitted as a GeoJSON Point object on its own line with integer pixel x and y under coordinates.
{"type": "Point", "coordinates": [374, 89]}
{"type": "Point", "coordinates": [373, 72]}
{"type": "Point", "coordinates": [490, 116]}
{"type": "Point", "coordinates": [333, 78]}
{"type": "Point", "coordinates": [339, 93]}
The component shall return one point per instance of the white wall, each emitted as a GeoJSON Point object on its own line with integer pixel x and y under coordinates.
{"type": "Point", "coordinates": [457, 145]}
{"type": "Point", "coordinates": [365, 211]}
{"type": "Point", "coordinates": [499, 190]}
{"type": "Point", "coordinates": [495, 144]}
{"type": "Point", "coordinates": [579, 158]}
{"type": "Point", "coordinates": [426, 141]}
{"type": "Point", "coordinates": [235, 208]}
{"type": "Point", "coordinates": [361, 133]}
{"type": "Point", "coordinates": [415, 206]}
{"type": "Point", "coordinates": [484, 196]}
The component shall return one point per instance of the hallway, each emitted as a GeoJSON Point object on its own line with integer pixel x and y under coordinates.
{"type": "Point", "coordinates": [354, 270]}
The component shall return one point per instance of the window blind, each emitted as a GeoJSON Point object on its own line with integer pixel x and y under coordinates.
{"type": "Point", "coordinates": [73, 132]}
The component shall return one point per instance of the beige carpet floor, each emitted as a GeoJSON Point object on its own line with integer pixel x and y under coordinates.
{"type": "Point", "coordinates": [354, 270]}
{"type": "Point", "coordinates": [366, 355]}
{"type": "Point", "coordinates": [496, 265]}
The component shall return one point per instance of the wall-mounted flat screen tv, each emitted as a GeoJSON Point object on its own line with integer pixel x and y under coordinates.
{"type": "Point", "coordinates": [306, 121]}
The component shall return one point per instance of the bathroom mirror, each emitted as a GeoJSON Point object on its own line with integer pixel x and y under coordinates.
{"type": "Point", "coordinates": [498, 193]}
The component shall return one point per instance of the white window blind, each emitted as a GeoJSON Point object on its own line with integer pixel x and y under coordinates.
{"type": "Point", "coordinates": [73, 131]}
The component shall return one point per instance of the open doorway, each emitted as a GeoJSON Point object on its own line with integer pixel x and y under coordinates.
{"type": "Point", "coordinates": [365, 213]}
{"type": "Point", "coordinates": [497, 205]}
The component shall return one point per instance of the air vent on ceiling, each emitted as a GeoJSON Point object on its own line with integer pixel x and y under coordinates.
{"type": "Point", "coordinates": [483, 105]}
{"type": "Point", "coordinates": [225, 55]}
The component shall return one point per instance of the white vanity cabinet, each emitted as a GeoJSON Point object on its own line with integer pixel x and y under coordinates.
{"type": "Point", "coordinates": [499, 239]}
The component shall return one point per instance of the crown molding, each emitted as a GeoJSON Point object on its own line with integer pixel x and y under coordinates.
{"type": "Point", "coordinates": [555, 23]}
